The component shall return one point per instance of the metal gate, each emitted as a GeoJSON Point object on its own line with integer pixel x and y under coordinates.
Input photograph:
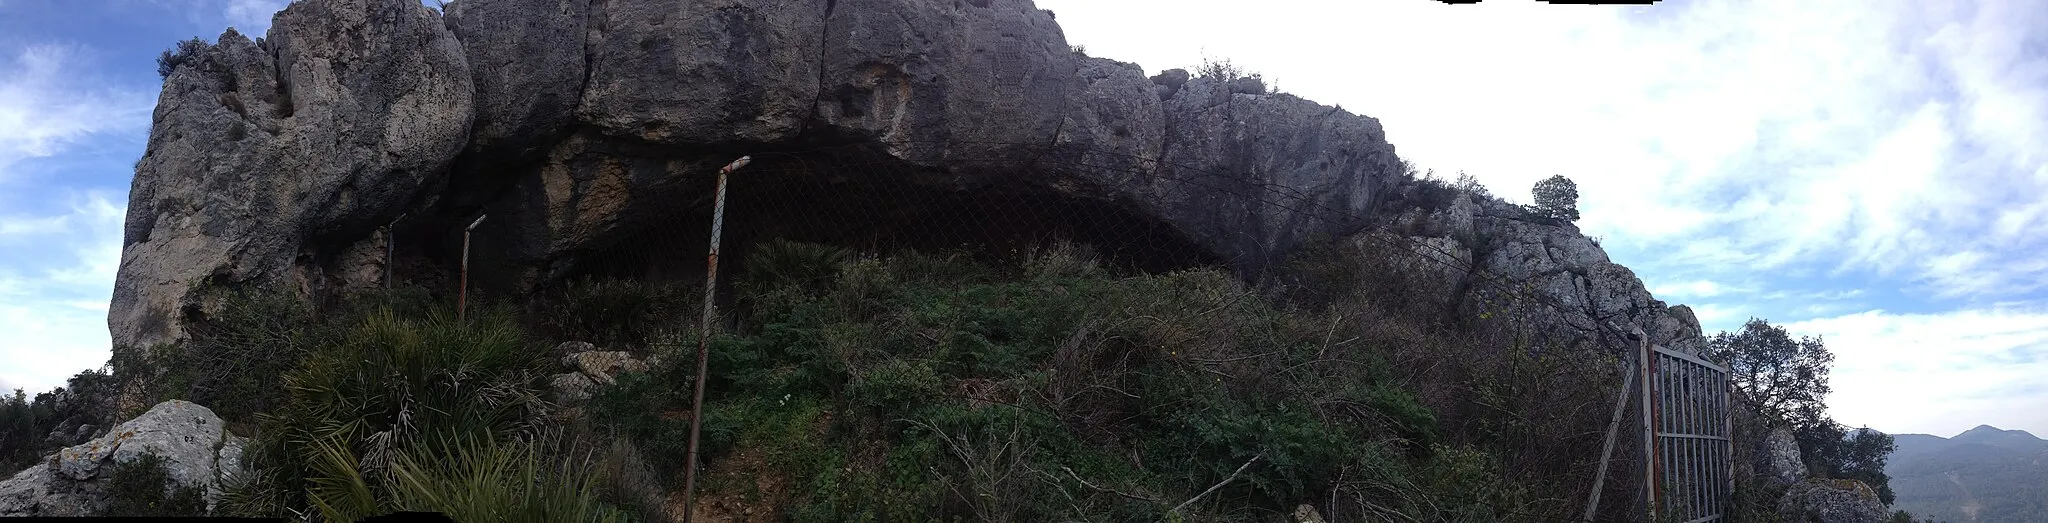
{"type": "Point", "coordinates": [1691, 456]}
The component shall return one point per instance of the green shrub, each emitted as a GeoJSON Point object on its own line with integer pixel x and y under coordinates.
{"type": "Point", "coordinates": [26, 425]}
{"type": "Point", "coordinates": [143, 487]}
{"type": "Point", "coordinates": [389, 386]}
{"type": "Point", "coordinates": [920, 387]}
{"type": "Point", "coordinates": [183, 53]}
{"type": "Point", "coordinates": [781, 263]}
{"type": "Point", "coordinates": [22, 426]}
{"type": "Point", "coordinates": [896, 385]}
{"type": "Point", "coordinates": [618, 314]}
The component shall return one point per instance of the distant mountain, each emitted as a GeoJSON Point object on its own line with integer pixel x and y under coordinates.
{"type": "Point", "coordinates": [1985, 474]}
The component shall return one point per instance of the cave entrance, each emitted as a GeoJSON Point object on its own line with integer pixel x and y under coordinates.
{"type": "Point", "coordinates": [862, 199]}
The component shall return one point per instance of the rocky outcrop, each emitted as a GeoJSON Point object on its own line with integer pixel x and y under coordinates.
{"type": "Point", "coordinates": [1831, 501]}
{"type": "Point", "coordinates": [192, 443]}
{"type": "Point", "coordinates": [1780, 462]}
{"type": "Point", "coordinates": [266, 160]}
{"type": "Point", "coordinates": [577, 126]}
{"type": "Point", "coordinates": [1539, 273]}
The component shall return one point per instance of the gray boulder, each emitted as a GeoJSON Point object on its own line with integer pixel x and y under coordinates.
{"type": "Point", "coordinates": [194, 445]}
{"type": "Point", "coordinates": [267, 159]}
{"type": "Point", "coordinates": [593, 369]}
{"type": "Point", "coordinates": [1780, 459]}
{"type": "Point", "coordinates": [1831, 501]}
{"type": "Point", "coordinates": [571, 387]}
{"type": "Point", "coordinates": [604, 367]}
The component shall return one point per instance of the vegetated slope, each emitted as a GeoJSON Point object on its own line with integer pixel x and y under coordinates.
{"type": "Point", "coordinates": [914, 386]}
{"type": "Point", "coordinates": [920, 387]}
{"type": "Point", "coordinates": [1412, 350]}
{"type": "Point", "coordinates": [1984, 474]}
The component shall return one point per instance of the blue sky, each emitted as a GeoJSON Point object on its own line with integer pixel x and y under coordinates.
{"type": "Point", "coordinates": [1872, 172]}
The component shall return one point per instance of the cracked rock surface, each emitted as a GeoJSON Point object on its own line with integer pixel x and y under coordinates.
{"type": "Point", "coordinates": [194, 445]}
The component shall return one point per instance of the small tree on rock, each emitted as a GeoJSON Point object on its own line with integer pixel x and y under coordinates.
{"type": "Point", "coordinates": [183, 53]}
{"type": "Point", "coordinates": [1557, 198]}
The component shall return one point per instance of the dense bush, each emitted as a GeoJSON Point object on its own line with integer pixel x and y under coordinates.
{"type": "Point", "coordinates": [390, 402]}
{"type": "Point", "coordinates": [22, 426]}
{"type": "Point", "coordinates": [918, 387]}
{"type": "Point", "coordinates": [143, 487]}
{"type": "Point", "coordinates": [242, 344]}
{"type": "Point", "coordinates": [617, 314]}
{"type": "Point", "coordinates": [26, 425]}
{"type": "Point", "coordinates": [182, 53]}
{"type": "Point", "coordinates": [922, 387]}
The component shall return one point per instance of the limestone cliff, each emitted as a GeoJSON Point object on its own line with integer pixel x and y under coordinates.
{"type": "Point", "coordinates": [579, 126]}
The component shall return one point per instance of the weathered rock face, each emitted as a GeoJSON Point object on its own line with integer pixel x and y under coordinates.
{"type": "Point", "coordinates": [1831, 501]}
{"type": "Point", "coordinates": [1543, 273]}
{"type": "Point", "coordinates": [194, 445]}
{"type": "Point", "coordinates": [1781, 463]}
{"type": "Point", "coordinates": [575, 125]}
{"type": "Point", "coordinates": [268, 159]}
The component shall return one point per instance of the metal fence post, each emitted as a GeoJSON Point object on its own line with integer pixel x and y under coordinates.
{"type": "Point", "coordinates": [704, 337]}
{"type": "Point", "coordinates": [462, 295]}
{"type": "Point", "coordinates": [1643, 361]}
{"type": "Point", "coordinates": [391, 248]}
{"type": "Point", "coordinates": [1628, 381]}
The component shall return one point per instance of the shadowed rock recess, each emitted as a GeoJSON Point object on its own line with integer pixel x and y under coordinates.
{"type": "Point", "coordinates": [584, 128]}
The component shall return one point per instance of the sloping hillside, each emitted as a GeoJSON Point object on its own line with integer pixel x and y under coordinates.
{"type": "Point", "coordinates": [1984, 474]}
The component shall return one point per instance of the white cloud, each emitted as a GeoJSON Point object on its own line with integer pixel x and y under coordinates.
{"type": "Point", "coordinates": [54, 314]}
{"type": "Point", "coordinates": [1716, 317]}
{"type": "Point", "coordinates": [1937, 373]}
{"type": "Point", "coordinates": [1691, 289]}
{"type": "Point", "coordinates": [49, 101]}
{"type": "Point", "coordinates": [52, 261]}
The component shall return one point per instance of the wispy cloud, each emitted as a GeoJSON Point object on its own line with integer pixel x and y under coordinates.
{"type": "Point", "coordinates": [1937, 373]}
{"type": "Point", "coordinates": [48, 101]}
{"type": "Point", "coordinates": [60, 238]}
{"type": "Point", "coordinates": [1690, 289]}
{"type": "Point", "coordinates": [53, 306]}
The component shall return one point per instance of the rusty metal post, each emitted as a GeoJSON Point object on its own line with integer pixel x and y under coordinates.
{"type": "Point", "coordinates": [462, 295]}
{"type": "Point", "coordinates": [390, 248]}
{"type": "Point", "coordinates": [1728, 424]}
{"type": "Point", "coordinates": [704, 337]}
{"type": "Point", "coordinates": [1644, 361]}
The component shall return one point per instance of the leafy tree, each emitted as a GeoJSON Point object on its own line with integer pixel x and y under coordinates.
{"type": "Point", "coordinates": [184, 52]}
{"type": "Point", "coordinates": [1785, 380]}
{"type": "Point", "coordinates": [1557, 198]}
{"type": "Point", "coordinates": [1831, 450]}
{"type": "Point", "coordinates": [1781, 378]}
